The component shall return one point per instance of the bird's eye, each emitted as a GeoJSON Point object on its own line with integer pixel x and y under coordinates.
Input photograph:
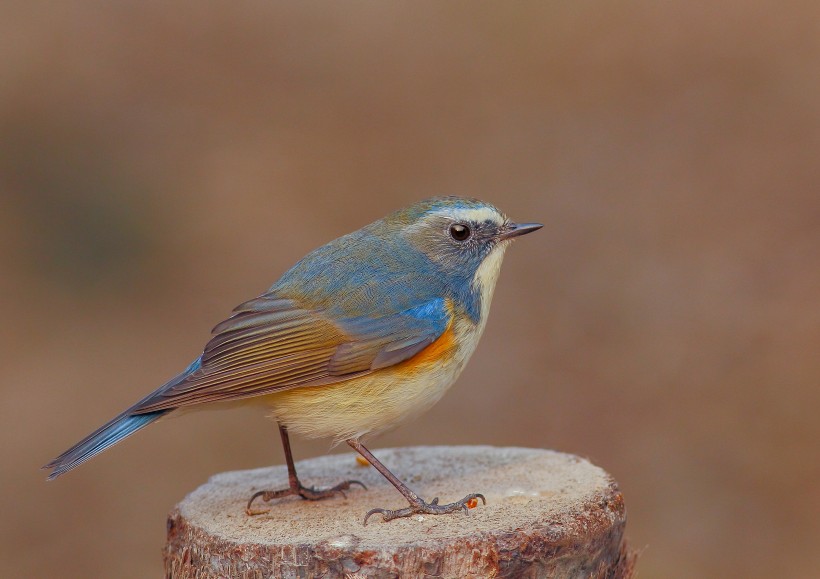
{"type": "Point", "coordinates": [459, 232]}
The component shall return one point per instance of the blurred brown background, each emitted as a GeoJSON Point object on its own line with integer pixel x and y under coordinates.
{"type": "Point", "coordinates": [160, 164]}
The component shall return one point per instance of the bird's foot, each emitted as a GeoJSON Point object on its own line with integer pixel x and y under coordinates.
{"type": "Point", "coordinates": [307, 493]}
{"type": "Point", "coordinates": [431, 508]}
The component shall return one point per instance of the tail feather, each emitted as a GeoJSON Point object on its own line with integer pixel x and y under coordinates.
{"type": "Point", "coordinates": [108, 435]}
{"type": "Point", "coordinates": [115, 430]}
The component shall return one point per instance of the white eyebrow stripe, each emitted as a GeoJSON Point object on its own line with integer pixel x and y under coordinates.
{"type": "Point", "coordinates": [472, 214]}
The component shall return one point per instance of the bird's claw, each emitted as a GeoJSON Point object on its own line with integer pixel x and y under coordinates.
{"type": "Point", "coordinates": [423, 508]}
{"type": "Point", "coordinates": [307, 493]}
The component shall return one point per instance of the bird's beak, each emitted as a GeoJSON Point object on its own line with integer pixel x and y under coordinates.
{"type": "Point", "coordinates": [515, 229]}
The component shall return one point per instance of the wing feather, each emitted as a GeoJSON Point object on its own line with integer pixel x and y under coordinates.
{"type": "Point", "coordinates": [271, 344]}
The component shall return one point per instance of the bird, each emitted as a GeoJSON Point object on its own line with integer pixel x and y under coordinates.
{"type": "Point", "coordinates": [361, 334]}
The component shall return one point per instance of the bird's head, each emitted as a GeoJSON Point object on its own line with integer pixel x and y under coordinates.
{"type": "Point", "coordinates": [465, 238]}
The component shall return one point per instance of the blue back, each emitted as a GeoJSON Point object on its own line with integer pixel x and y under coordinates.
{"type": "Point", "coordinates": [376, 271]}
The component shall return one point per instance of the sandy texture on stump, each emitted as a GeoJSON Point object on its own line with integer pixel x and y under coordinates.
{"type": "Point", "coordinates": [548, 514]}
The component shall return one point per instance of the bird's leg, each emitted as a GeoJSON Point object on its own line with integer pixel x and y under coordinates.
{"type": "Point", "coordinates": [294, 486]}
{"type": "Point", "coordinates": [417, 504]}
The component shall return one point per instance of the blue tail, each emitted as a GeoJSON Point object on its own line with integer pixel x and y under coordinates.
{"type": "Point", "coordinates": [114, 431]}
{"type": "Point", "coordinates": [108, 435]}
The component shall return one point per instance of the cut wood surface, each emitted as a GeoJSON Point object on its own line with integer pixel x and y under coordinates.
{"type": "Point", "coordinates": [548, 514]}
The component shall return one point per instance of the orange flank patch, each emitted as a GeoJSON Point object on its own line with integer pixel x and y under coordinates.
{"type": "Point", "coordinates": [435, 351]}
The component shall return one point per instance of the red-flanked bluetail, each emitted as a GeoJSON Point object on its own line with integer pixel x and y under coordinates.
{"type": "Point", "coordinates": [364, 332]}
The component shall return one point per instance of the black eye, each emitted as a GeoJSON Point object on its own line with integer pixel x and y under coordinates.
{"type": "Point", "coordinates": [459, 232]}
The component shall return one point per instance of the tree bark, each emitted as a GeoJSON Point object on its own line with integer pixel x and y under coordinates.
{"type": "Point", "coordinates": [548, 514]}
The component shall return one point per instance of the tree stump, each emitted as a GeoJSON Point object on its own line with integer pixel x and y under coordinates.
{"type": "Point", "coordinates": [548, 514]}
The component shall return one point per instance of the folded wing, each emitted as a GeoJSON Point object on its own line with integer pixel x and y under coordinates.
{"type": "Point", "coordinates": [271, 344]}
